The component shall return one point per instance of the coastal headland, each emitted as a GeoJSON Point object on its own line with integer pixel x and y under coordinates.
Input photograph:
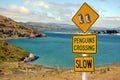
{"type": "Point", "coordinates": [13, 58]}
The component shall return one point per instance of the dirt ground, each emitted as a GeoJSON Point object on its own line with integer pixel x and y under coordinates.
{"type": "Point", "coordinates": [33, 72]}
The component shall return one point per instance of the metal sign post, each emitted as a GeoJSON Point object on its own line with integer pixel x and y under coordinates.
{"type": "Point", "coordinates": [84, 74]}
{"type": "Point", "coordinates": [85, 43]}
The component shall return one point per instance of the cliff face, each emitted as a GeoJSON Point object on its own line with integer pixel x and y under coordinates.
{"type": "Point", "coordinates": [9, 52]}
{"type": "Point", "coordinates": [11, 29]}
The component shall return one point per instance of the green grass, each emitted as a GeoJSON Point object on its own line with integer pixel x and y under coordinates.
{"type": "Point", "coordinates": [9, 52]}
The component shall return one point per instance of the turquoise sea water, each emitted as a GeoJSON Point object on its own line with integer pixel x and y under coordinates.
{"type": "Point", "coordinates": [56, 49]}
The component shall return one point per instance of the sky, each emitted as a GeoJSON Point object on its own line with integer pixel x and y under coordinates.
{"type": "Point", "coordinates": [60, 11]}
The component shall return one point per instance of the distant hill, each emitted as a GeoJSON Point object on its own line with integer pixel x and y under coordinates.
{"type": "Point", "coordinates": [50, 26]}
{"type": "Point", "coordinates": [12, 29]}
{"type": "Point", "coordinates": [118, 28]}
{"type": "Point", "coordinates": [9, 52]}
{"type": "Point", "coordinates": [57, 26]}
{"type": "Point", "coordinates": [98, 28]}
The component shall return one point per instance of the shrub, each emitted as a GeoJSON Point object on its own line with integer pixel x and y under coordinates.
{"type": "Point", "coordinates": [2, 25]}
{"type": "Point", "coordinates": [6, 20]}
{"type": "Point", "coordinates": [22, 27]}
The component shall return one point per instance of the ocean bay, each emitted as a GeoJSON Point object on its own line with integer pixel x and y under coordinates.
{"type": "Point", "coordinates": [56, 49]}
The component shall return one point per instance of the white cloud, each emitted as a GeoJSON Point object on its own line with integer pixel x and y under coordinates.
{"type": "Point", "coordinates": [51, 13]}
{"type": "Point", "coordinates": [38, 3]}
{"type": "Point", "coordinates": [49, 5]}
{"type": "Point", "coordinates": [40, 11]}
{"type": "Point", "coordinates": [111, 18]}
{"type": "Point", "coordinates": [19, 9]}
{"type": "Point", "coordinates": [23, 14]}
{"type": "Point", "coordinates": [62, 13]}
{"type": "Point", "coordinates": [108, 22]}
{"type": "Point", "coordinates": [102, 0]}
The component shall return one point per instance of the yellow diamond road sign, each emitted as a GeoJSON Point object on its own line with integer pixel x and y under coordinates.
{"type": "Point", "coordinates": [85, 17]}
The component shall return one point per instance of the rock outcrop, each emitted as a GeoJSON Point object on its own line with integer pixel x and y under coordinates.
{"type": "Point", "coordinates": [29, 58]}
{"type": "Point", "coordinates": [12, 29]}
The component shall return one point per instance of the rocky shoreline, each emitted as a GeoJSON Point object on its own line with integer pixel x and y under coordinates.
{"type": "Point", "coordinates": [106, 32]}
{"type": "Point", "coordinates": [29, 58]}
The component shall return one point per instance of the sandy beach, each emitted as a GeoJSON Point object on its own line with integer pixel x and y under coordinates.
{"type": "Point", "coordinates": [21, 71]}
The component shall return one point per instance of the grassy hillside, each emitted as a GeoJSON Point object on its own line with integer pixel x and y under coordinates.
{"type": "Point", "coordinates": [12, 29]}
{"type": "Point", "coordinates": [9, 52]}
